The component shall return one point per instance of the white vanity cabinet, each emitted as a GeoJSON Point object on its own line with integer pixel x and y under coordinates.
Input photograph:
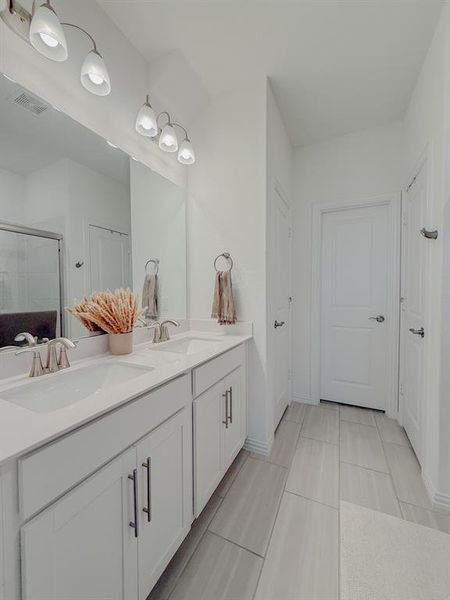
{"type": "Point", "coordinates": [83, 546]}
{"type": "Point", "coordinates": [219, 421]}
{"type": "Point", "coordinates": [164, 461]}
{"type": "Point", "coordinates": [114, 533]}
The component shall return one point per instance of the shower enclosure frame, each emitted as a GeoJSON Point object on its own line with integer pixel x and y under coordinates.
{"type": "Point", "coordinates": [50, 235]}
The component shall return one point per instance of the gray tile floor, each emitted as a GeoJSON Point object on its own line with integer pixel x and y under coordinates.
{"type": "Point", "coordinates": [271, 530]}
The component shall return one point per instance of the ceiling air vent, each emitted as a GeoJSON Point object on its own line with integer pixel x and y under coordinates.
{"type": "Point", "coordinates": [29, 102]}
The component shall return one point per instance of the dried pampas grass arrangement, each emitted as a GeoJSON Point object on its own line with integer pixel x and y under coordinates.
{"type": "Point", "coordinates": [107, 311]}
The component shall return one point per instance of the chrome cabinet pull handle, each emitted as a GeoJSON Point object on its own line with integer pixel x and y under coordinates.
{"type": "Point", "coordinates": [231, 403]}
{"type": "Point", "coordinates": [135, 524]}
{"type": "Point", "coordinates": [148, 509]}
{"type": "Point", "coordinates": [226, 409]}
{"type": "Point", "coordinates": [278, 324]}
{"type": "Point", "coordinates": [378, 319]}
{"type": "Point", "coordinates": [420, 331]}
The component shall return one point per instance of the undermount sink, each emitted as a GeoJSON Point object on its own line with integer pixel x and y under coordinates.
{"type": "Point", "coordinates": [65, 388]}
{"type": "Point", "coordinates": [187, 345]}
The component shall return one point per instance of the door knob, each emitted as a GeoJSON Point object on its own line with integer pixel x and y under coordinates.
{"type": "Point", "coordinates": [420, 331]}
{"type": "Point", "coordinates": [378, 318]}
{"type": "Point", "coordinates": [278, 324]}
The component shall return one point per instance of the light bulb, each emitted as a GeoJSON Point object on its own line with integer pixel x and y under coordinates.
{"type": "Point", "coordinates": [186, 154]}
{"type": "Point", "coordinates": [146, 121]}
{"type": "Point", "coordinates": [94, 74]}
{"type": "Point", "coordinates": [49, 40]}
{"type": "Point", "coordinates": [47, 35]}
{"type": "Point", "coordinates": [168, 139]}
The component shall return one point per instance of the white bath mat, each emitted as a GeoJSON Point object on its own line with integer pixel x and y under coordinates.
{"type": "Point", "coordinates": [386, 558]}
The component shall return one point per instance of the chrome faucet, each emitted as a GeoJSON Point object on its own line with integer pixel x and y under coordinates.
{"type": "Point", "coordinates": [54, 362]}
{"type": "Point", "coordinates": [164, 335]}
{"type": "Point", "coordinates": [162, 330]}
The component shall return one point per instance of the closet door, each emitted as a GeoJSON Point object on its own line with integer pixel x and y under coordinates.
{"type": "Point", "coordinates": [234, 432]}
{"type": "Point", "coordinates": [165, 482]}
{"type": "Point", "coordinates": [83, 546]}
{"type": "Point", "coordinates": [209, 417]}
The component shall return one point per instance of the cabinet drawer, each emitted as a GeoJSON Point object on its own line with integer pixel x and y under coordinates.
{"type": "Point", "coordinates": [49, 472]}
{"type": "Point", "coordinates": [214, 370]}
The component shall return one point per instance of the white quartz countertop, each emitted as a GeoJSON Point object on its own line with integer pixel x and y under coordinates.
{"type": "Point", "coordinates": [22, 430]}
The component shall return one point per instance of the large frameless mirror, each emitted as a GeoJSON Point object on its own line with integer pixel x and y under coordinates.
{"type": "Point", "coordinates": [78, 215]}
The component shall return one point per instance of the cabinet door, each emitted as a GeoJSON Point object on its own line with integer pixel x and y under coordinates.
{"type": "Point", "coordinates": [209, 414]}
{"type": "Point", "coordinates": [83, 546]}
{"type": "Point", "coordinates": [165, 467]}
{"type": "Point", "coordinates": [234, 433]}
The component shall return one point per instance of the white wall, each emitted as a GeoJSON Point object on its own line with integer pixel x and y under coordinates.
{"type": "Point", "coordinates": [353, 167]}
{"type": "Point", "coordinates": [158, 216]}
{"type": "Point", "coordinates": [227, 212]}
{"type": "Point", "coordinates": [427, 134]}
{"type": "Point", "coordinates": [112, 117]}
{"type": "Point", "coordinates": [279, 172]}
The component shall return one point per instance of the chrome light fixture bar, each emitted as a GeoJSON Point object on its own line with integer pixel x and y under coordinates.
{"type": "Point", "coordinates": [147, 124]}
{"type": "Point", "coordinates": [44, 31]}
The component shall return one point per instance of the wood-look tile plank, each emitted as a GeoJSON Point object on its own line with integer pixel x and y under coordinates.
{"type": "Point", "coordinates": [329, 404]}
{"type": "Point", "coordinates": [368, 488]}
{"type": "Point", "coordinates": [321, 424]}
{"type": "Point", "coordinates": [302, 560]}
{"type": "Point", "coordinates": [230, 475]}
{"type": "Point", "coordinates": [295, 412]}
{"type": "Point", "coordinates": [168, 579]}
{"type": "Point", "coordinates": [218, 570]}
{"type": "Point", "coordinates": [357, 415]}
{"type": "Point", "coordinates": [247, 514]}
{"type": "Point", "coordinates": [390, 430]}
{"type": "Point", "coordinates": [361, 445]}
{"type": "Point", "coordinates": [427, 518]}
{"type": "Point", "coordinates": [407, 476]}
{"type": "Point", "coordinates": [314, 472]}
{"type": "Point", "coordinates": [284, 444]}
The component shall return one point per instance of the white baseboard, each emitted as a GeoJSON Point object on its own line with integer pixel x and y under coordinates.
{"type": "Point", "coordinates": [439, 500]}
{"type": "Point", "coordinates": [257, 446]}
{"type": "Point", "coordinates": [302, 400]}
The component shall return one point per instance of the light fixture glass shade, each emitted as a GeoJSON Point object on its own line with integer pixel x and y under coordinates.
{"type": "Point", "coordinates": [94, 74]}
{"type": "Point", "coordinates": [168, 139]}
{"type": "Point", "coordinates": [186, 154]}
{"type": "Point", "coordinates": [47, 35]}
{"type": "Point", "coordinates": [146, 121]}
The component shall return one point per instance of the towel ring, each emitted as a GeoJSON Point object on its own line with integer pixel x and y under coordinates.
{"type": "Point", "coordinates": [155, 261]}
{"type": "Point", "coordinates": [227, 256]}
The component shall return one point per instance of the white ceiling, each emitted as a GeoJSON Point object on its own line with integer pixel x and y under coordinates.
{"type": "Point", "coordinates": [335, 66]}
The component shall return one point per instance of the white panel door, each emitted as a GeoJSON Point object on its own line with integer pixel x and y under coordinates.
{"type": "Point", "coordinates": [83, 545]}
{"type": "Point", "coordinates": [166, 512]}
{"type": "Point", "coordinates": [109, 259]}
{"type": "Point", "coordinates": [413, 311]}
{"type": "Point", "coordinates": [354, 302]}
{"type": "Point", "coordinates": [281, 299]}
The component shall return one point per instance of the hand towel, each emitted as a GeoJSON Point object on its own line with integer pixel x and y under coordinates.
{"type": "Point", "coordinates": [150, 296]}
{"type": "Point", "coordinates": [223, 304]}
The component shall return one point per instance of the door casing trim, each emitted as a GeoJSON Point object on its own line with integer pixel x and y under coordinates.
{"type": "Point", "coordinates": [393, 202]}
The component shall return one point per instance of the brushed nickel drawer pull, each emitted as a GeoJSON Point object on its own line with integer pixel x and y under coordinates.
{"type": "Point", "coordinates": [135, 524]}
{"type": "Point", "coordinates": [231, 404]}
{"type": "Point", "coordinates": [226, 409]}
{"type": "Point", "coordinates": [148, 509]}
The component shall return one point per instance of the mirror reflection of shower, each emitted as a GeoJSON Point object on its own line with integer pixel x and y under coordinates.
{"type": "Point", "coordinates": [30, 283]}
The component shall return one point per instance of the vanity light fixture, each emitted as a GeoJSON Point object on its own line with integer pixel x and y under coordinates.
{"type": "Point", "coordinates": [44, 31]}
{"type": "Point", "coordinates": [147, 124]}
